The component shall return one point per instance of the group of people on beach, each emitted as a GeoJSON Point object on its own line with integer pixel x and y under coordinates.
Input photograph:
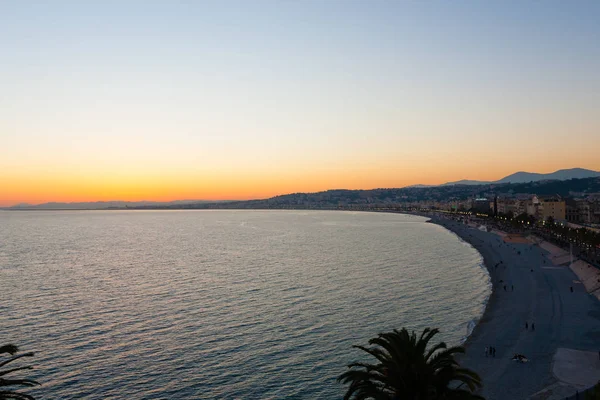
{"type": "Point", "coordinates": [527, 326]}
{"type": "Point", "coordinates": [512, 288]}
{"type": "Point", "coordinates": [491, 351]}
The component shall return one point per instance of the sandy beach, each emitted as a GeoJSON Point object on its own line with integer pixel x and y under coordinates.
{"type": "Point", "coordinates": [563, 350]}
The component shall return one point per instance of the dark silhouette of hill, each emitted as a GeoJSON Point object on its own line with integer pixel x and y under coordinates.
{"type": "Point", "coordinates": [523, 177]}
{"type": "Point", "coordinates": [350, 198]}
{"type": "Point", "coordinates": [396, 196]}
{"type": "Point", "coordinates": [561, 175]}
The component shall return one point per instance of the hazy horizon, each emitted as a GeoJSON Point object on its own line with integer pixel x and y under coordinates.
{"type": "Point", "coordinates": [237, 100]}
{"type": "Point", "coordinates": [227, 200]}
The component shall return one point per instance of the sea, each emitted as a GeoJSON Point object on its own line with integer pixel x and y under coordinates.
{"type": "Point", "coordinates": [215, 304]}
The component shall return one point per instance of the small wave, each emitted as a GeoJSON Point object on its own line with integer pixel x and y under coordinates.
{"type": "Point", "coordinates": [470, 326]}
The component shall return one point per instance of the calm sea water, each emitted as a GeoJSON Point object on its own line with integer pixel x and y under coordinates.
{"type": "Point", "coordinates": [222, 304]}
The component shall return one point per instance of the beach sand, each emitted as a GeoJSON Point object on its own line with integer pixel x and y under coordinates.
{"type": "Point", "coordinates": [542, 296]}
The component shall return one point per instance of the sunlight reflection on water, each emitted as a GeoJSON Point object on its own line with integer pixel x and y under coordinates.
{"type": "Point", "coordinates": [222, 304]}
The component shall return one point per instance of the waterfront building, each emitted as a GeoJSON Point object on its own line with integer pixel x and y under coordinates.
{"type": "Point", "coordinates": [481, 204]}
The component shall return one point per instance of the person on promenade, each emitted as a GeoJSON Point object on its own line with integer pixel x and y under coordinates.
{"type": "Point", "coordinates": [486, 351]}
{"type": "Point", "coordinates": [532, 326]}
{"type": "Point", "coordinates": [526, 325]}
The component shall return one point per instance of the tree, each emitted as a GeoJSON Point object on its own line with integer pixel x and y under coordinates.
{"type": "Point", "coordinates": [406, 369]}
{"type": "Point", "coordinates": [6, 382]}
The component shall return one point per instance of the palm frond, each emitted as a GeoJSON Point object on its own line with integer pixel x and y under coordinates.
{"type": "Point", "coordinates": [6, 395]}
{"type": "Point", "coordinates": [9, 348]}
{"type": "Point", "coordinates": [3, 363]}
{"type": "Point", "coordinates": [407, 368]}
{"type": "Point", "coordinates": [6, 382]}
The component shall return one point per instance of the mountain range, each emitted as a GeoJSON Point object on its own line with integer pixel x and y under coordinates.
{"type": "Point", "coordinates": [525, 177]}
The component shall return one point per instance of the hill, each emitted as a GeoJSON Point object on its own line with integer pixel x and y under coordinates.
{"type": "Point", "coordinates": [333, 199]}
{"type": "Point", "coordinates": [561, 175]}
{"type": "Point", "coordinates": [523, 177]}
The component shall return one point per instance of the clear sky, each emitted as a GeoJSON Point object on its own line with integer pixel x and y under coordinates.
{"type": "Point", "coordinates": [165, 100]}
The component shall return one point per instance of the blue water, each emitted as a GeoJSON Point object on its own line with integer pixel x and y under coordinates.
{"type": "Point", "coordinates": [222, 304]}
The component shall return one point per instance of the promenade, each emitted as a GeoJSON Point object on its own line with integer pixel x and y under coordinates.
{"type": "Point", "coordinates": [564, 347]}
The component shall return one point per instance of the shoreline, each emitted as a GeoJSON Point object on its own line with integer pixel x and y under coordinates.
{"type": "Point", "coordinates": [487, 264]}
{"type": "Point", "coordinates": [526, 287]}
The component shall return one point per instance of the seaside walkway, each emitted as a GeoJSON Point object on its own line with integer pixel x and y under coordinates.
{"type": "Point", "coordinates": [529, 288]}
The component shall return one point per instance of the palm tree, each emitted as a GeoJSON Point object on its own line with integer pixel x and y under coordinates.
{"type": "Point", "coordinates": [406, 369]}
{"type": "Point", "coordinates": [4, 382]}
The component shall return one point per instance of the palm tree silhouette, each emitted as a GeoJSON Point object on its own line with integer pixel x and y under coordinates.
{"type": "Point", "coordinates": [406, 369]}
{"type": "Point", "coordinates": [6, 394]}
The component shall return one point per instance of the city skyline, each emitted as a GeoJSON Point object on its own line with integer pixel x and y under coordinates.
{"type": "Point", "coordinates": [234, 100]}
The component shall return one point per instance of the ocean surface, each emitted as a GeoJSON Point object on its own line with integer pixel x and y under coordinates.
{"type": "Point", "coordinates": [222, 304]}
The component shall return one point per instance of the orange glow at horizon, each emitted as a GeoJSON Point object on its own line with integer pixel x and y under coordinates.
{"type": "Point", "coordinates": [38, 188]}
{"type": "Point", "coordinates": [105, 101]}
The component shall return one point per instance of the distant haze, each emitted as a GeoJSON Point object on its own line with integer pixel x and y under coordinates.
{"type": "Point", "coordinates": [244, 99]}
{"type": "Point", "coordinates": [96, 205]}
{"type": "Point", "coordinates": [518, 177]}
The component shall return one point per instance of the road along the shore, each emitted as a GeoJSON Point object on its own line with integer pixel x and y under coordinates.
{"type": "Point", "coordinates": [529, 289]}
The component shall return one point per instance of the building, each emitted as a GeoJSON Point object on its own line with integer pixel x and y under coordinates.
{"type": "Point", "coordinates": [552, 206]}
{"type": "Point", "coordinates": [572, 211]}
{"type": "Point", "coordinates": [481, 205]}
{"type": "Point", "coordinates": [507, 205]}
{"type": "Point", "coordinates": [583, 211]}
{"type": "Point", "coordinates": [533, 207]}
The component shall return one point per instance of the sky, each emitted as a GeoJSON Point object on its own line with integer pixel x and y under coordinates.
{"type": "Point", "coordinates": [166, 100]}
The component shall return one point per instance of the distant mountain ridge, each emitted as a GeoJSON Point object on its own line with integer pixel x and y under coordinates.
{"type": "Point", "coordinates": [525, 177]}
{"type": "Point", "coordinates": [103, 205]}
{"type": "Point", "coordinates": [560, 175]}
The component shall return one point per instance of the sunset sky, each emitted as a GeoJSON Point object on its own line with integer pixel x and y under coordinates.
{"type": "Point", "coordinates": [166, 100]}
